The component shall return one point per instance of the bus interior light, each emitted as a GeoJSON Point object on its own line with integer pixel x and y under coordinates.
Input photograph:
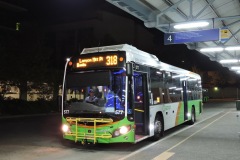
{"type": "Point", "coordinates": [178, 89]}
{"type": "Point", "coordinates": [177, 76]}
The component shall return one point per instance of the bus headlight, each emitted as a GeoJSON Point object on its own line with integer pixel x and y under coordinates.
{"type": "Point", "coordinates": [65, 128]}
{"type": "Point", "coordinates": [121, 131]}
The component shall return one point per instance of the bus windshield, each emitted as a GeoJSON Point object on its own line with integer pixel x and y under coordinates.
{"type": "Point", "coordinates": [95, 94]}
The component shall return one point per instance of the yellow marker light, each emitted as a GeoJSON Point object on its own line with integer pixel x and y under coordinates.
{"type": "Point", "coordinates": [70, 63]}
{"type": "Point", "coordinates": [121, 59]}
{"type": "Point", "coordinates": [17, 26]}
{"type": "Point", "coordinates": [158, 99]}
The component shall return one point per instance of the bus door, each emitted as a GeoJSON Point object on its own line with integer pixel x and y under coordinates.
{"type": "Point", "coordinates": [141, 103]}
{"type": "Point", "coordinates": [185, 99]}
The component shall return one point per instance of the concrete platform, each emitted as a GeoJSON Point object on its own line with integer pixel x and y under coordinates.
{"type": "Point", "coordinates": [215, 136]}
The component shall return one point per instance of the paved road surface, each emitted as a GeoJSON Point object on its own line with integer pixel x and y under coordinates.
{"type": "Point", "coordinates": [214, 136]}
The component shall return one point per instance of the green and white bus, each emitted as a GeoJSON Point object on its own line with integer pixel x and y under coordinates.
{"type": "Point", "coordinates": [136, 96]}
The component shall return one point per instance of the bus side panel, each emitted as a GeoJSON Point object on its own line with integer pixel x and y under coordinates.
{"type": "Point", "coordinates": [180, 114]}
{"type": "Point", "coordinates": [173, 114]}
{"type": "Point", "coordinates": [170, 114]}
{"type": "Point", "coordinates": [197, 105]}
{"type": "Point", "coordinates": [154, 109]}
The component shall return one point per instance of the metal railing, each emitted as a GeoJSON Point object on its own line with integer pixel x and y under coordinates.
{"type": "Point", "coordinates": [88, 135]}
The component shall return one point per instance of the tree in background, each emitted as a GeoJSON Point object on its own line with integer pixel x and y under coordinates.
{"type": "Point", "coordinates": [25, 58]}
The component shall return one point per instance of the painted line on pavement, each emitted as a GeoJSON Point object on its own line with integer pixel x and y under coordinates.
{"type": "Point", "coordinates": [164, 138]}
{"type": "Point", "coordinates": [164, 156]}
{"type": "Point", "coordinates": [179, 143]}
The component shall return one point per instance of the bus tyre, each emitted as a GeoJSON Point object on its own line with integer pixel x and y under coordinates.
{"type": "Point", "coordinates": [158, 128]}
{"type": "Point", "coordinates": [193, 117]}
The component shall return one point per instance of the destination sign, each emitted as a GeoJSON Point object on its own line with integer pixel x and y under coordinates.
{"type": "Point", "coordinates": [191, 36]}
{"type": "Point", "coordinates": [108, 60]}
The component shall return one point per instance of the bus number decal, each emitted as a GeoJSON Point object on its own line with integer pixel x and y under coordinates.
{"type": "Point", "coordinates": [66, 111]}
{"type": "Point", "coordinates": [111, 60]}
{"type": "Point", "coordinates": [119, 112]}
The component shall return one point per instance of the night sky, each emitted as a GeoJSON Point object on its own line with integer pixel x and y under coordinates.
{"type": "Point", "coordinates": [47, 13]}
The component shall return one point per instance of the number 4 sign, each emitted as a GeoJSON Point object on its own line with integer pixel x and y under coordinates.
{"type": "Point", "coordinates": [168, 38]}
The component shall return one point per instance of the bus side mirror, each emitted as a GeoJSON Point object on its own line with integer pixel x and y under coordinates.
{"type": "Point", "coordinates": [129, 69]}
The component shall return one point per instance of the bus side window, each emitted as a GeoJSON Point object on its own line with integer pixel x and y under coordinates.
{"type": "Point", "coordinates": [156, 77]}
{"type": "Point", "coordinates": [167, 98]}
{"type": "Point", "coordinates": [157, 95]}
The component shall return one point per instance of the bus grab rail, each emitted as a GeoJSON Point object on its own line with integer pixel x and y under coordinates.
{"type": "Point", "coordinates": [92, 136]}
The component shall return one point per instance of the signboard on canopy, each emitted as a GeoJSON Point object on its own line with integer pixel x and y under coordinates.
{"type": "Point", "coordinates": [191, 36]}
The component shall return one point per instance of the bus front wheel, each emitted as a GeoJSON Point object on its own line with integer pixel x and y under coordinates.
{"type": "Point", "coordinates": [158, 127]}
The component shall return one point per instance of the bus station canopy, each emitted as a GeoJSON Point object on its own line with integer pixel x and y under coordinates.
{"type": "Point", "coordinates": [221, 15]}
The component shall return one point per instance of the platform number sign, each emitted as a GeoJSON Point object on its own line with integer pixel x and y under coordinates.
{"type": "Point", "coordinates": [169, 38]}
{"type": "Point", "coordinates": [191, 36]}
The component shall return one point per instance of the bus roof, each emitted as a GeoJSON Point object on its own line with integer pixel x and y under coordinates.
{"type": "Point", "coordinates": [140, 57]}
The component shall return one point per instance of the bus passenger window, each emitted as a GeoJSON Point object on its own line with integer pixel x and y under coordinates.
{"type": "Point", "coordinates": [167, 98]}
{"type": "Point", "coordinates": [156, 77]}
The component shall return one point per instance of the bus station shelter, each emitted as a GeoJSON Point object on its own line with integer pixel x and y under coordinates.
{"type": "Point", "coordinates": [209, 26]}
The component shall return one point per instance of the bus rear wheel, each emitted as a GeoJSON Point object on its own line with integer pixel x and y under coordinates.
{"type": "Point", "coordinates": [158, 128]}
{"type": "Point", "coordinates": [193, 116]}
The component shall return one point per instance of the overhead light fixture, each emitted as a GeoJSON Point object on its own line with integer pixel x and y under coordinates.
{"type": "Point", "coordinates": [215, 49]}
{"type": "Point", "coordinates": [219, 49]}
{"type": "Point", "coordinates": [233, 48]}
{"type": "Point", "coordinates": [235, 67]}
{"type": "Point", "coordinates": [229, 61]}
{"type": "Point", "coordinates": [191, 25]}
